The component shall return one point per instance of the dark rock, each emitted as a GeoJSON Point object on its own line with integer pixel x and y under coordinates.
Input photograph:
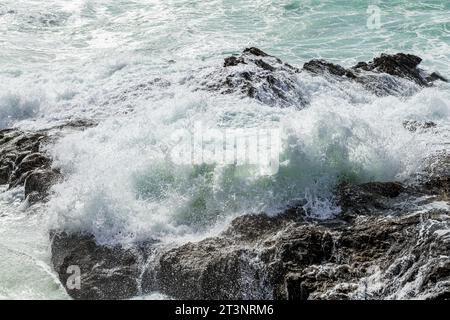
{"type": "Point", "coordinates": [78, 124]}
{"type": "Point", "coordinates": [267, 79]}
{"type": "Point", "coordinates": [5, 172]}
{"type": "Point", "coordinates": [414, 126]}
{"type": "Point", "coordinates": [256, 52]}
{"type": "Point", "coordinates": [368, 198]}
{"type": "Point", "coordinates": [436, 76]}
{"type": "Point", "coordinates": [383, 236]}
{"type": "Point", "coordinates": [106, 272]}
{"type": "Point", "coordinates": [207, 271]}
{"type": "Point", "coordinates": [38, 183]}
{"type": "Point", "coordinates": [435, 178]}
{"type": "Point", "coordinates": [19, 155]}
{"type": "Point", "coordinates": [27, 163]}
{"type": "Point", "coordinates": [287, 261]}
{"type": "Point", "coordinates": [232, 61]}
{"type": "Point", "coordinates": [322, 67]}
{"type": "Point", "coordinates": [261, 257]}
{"type": "Point", "coordinates": [400, 65]}
{"type": "Point", "coordinates": [264, 65]}
{"type": "Point", "coordinates": [295, 288]}
{"type": "Point", "coordinates": [246, 262]}
{"type": "Point", "coordinates": [380, 76]}
{"type": "Point", "coordinates": [24, 162]}
{"type": "Point", "coordinates": [260, 76]}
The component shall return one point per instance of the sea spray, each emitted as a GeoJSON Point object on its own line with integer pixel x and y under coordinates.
{"type": "Point", "coordinates": [122, 187]}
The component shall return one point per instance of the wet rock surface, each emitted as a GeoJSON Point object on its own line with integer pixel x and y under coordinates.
{"type": "Point", "coordinates": [39, 182]}
{"type": "Point", "coordinates": [414, 126]}
{"type": "Point", "coordinates": [20, 154]}
{"type": "Point", "coordinates": [389, 242]}
{"type": "Point", "coordinates": [106, 272]}
{"type": "Point", "coordinates": [271, 81]}
{"type": "Point", "coordinates": [374, 255]}
{"type": "Point", "coordinates": [24, 161]}
{"type": "Point", "coordinates": [261, 76]}
{"type": "Point", "coordinates": [391, 239]}
{"type": "Point", "coordinates": [247, 262]}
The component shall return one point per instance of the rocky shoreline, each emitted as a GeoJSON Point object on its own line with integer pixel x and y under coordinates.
{"type": "Point", "coordinates": [391, 239]}
{"type": "Point", "coordinates": [24, 161]}
{"type": "Point", "coordinates": [269, 80]}
{"type": "Point", "coordinates": [377, 239]}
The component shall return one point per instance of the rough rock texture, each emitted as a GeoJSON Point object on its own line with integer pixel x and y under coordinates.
{"type": "Point", "coordinates": [269, 80]}
{"type": "Point", "coordinates": [246, 262]}
{"type": "Point", "coordinates": [379, 253]}
{"type": "Point", "coordinates": [106, 273]}
{"type": "Point", "coordinates": [413, 125]}
{"type": "Point", "coordinates": [261, 76]}
{"type": "Point", "coordinates": [368, 198]}
{"type": "Point", "coordinates": [24, 162]}
{"type": "Point", "coordinates": [39, 182]}
{"type": "Point", "coordinates": [21, 156]}
{"type": "Point", "coordinates": [399, 65]}
{"type": "Point", "coordinates": [372, 75]}
{"type": "Point", "coordinates": [391, 241]}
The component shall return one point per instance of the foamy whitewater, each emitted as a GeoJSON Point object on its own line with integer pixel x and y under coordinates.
{"type": "Point", "coordinates": [99, 60]}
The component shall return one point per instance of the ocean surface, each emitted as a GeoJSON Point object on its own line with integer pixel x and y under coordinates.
{"type": "Point", "coordinates": [100, 59]}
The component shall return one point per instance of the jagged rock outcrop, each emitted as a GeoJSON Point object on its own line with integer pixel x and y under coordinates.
{"type": "Point", "coordinates": [414, 125]}
{"type": "Point", "coordinates": [24, 161]}
{"type": "Point", "coordinates": [259, 75]}
{"type": "Point", "coordinates": [269, 80]}
{"type": "Point", "coordinates": [400, 65]}
{"type": "Point", "coordinates": [391, 240]}
{"type": "Point", "coordinates": [106, 272]}
{"type": "Point", "coordinates": [39, 182]}
{"type": "Point", "coordinates": [20, 156]}
{"type": "Point", "coordinates": [247, 261]}
{"type": "Point", "coordinates": [383, 75]}
{"type": "Point", "coordinates": [404, 253]}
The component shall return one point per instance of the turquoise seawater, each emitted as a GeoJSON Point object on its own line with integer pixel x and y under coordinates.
{"type": "Point", "coordinates": [59, 50]}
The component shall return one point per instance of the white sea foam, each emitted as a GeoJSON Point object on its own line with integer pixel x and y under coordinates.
{"type": "Point", "coordinates": [14, 107]}
{"type": "Point", "coordinates": [122, 187]}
